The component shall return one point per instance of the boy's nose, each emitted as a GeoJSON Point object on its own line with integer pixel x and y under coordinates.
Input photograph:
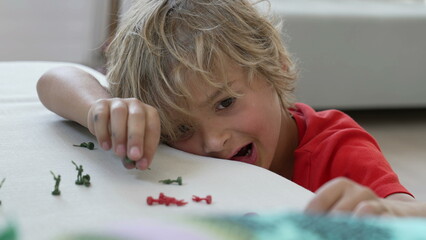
{"type": "Point", "coordinates": [214, 142]}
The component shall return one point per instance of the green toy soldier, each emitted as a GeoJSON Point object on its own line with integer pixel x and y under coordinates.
{"type": "Point", "coordinates": [81, 180]}
{"type": "Point", "coordinates": [57, 179]}
{"type": "Point", "coordinates": [1, 184]}
{"type": "Point", "coordinates": [131, 162]}
{"type": "Point", "coordinates": [88, 145]}
{"type": "Point", "coordinates": [86, 180]}
{"type": "Point", "coordinates": [170, 181]}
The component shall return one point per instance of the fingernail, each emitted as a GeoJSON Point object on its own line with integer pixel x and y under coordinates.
{"type": "Point", "coordinates": [135, 153]}
{"type": "Point", "coordinates": [121, 150]}
{"type": "Point", "coordinates": [142, 164]}
{"type": "Point", "coordinates": [105, 145]}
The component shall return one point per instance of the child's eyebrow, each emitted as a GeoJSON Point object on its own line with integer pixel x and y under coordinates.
{"type": "Point", "coordinates": [216, 94]}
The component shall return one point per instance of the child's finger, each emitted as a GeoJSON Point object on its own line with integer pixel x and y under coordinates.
{"type": "Point", "coordinates": [135, 130]}
{"type": "Point", "coordinates": [119, 127]}
{"type": "Point", "coordinates": [370, 207]}
{"type": "Point", "coordinates": [152, 136]}
{"type": "Point", "coordinates": [339, 195]}
{"type": "Point", "coordinates": [100, 122]}
{"type": "Point", "coordinates": [352, 197]}
{"type": "Point", "coordinates": [326, 197]}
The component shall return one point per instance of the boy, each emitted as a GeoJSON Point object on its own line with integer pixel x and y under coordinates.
{"type": "Point", "coordinates": [212, 78]}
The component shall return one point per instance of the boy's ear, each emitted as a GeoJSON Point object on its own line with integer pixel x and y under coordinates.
{"type": "Point", "coordinates": [284, 65]}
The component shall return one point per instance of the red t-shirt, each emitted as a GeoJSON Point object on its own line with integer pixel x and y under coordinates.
{"type": "Point", "coordinates": [331, 144]}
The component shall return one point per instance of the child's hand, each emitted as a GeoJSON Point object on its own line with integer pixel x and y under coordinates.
{"type": "Point", "coordinates": [342, 195]}
{"type": "Point", "coordinates": [128, 126]}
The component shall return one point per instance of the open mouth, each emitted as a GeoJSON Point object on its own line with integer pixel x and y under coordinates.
{"type": "Point", "coordinates": [245, 151]}
{"type": "Point", "coordinates": [245, 154]}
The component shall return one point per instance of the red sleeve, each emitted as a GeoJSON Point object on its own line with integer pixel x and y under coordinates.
{"type": "Point", "coordinates": [331, 144]}
{"type": "Point", "coordinates": [354, 154]}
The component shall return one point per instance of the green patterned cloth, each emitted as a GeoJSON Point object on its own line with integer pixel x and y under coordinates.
{"type": "Point", "coordinates": [277, 226]}
{"type": "Point", "coordinates": [314, 227]}
{"type": "Point", "coordinates": [8, 232]}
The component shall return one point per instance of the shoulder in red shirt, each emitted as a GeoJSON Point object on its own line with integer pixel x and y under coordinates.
{"type": "Point", "coordinates": [331, 144]}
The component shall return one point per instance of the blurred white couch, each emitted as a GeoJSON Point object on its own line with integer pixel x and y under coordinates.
{"type": "Point", "coordinates": [357, 54]}
{"type": "Point", "coordinates": [352, 54]}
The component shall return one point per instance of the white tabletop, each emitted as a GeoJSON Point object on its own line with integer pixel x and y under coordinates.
{"type": "Point", "coordinates": [34, 141]}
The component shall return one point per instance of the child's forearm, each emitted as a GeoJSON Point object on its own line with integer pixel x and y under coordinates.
{"type": "Point", "coordinates": [69, 92]}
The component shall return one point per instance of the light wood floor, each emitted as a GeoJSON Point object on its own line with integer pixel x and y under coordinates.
{"type": "Point", "coordinates": [402, 137]}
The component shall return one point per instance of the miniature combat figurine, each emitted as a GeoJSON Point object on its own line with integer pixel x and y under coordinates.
{"type": "Point", "coordinates": [86, 180]}
{"type": "Point", "coordinates": [208, 199]}
{"type": "Point", "coordinates": [1, 184]}
{"type": "Point", "coordinates": [170, 181]}
{"type": "Point", "coordinates": [165, 200]}
{"type": "Point", "coordinates": [57, 179]}
{"type": "Point", "coordinates": [127, 160]}
{"type": "Point", "coordinates": [81, 180]}
{"type": "Point", "coordinates": [88, 145]}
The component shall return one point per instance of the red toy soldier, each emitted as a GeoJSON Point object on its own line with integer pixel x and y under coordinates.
{"type": "Point", "coordinates": [208, 199]}
{"type": "Point", "coordinates": [165, 200]}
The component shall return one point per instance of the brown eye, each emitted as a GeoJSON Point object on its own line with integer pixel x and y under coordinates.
{"type": "Point", "coordinates": [226, 103]}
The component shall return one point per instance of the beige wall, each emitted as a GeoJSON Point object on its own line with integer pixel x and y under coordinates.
{"type": "Point", "coordinates": [52, 30]}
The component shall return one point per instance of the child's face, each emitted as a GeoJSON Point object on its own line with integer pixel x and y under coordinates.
{"type": "Point", "coordinates": [248, 128]}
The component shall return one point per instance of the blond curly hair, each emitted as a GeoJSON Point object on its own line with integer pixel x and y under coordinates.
{"type": "Point", "coordinates": [160, 41]}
